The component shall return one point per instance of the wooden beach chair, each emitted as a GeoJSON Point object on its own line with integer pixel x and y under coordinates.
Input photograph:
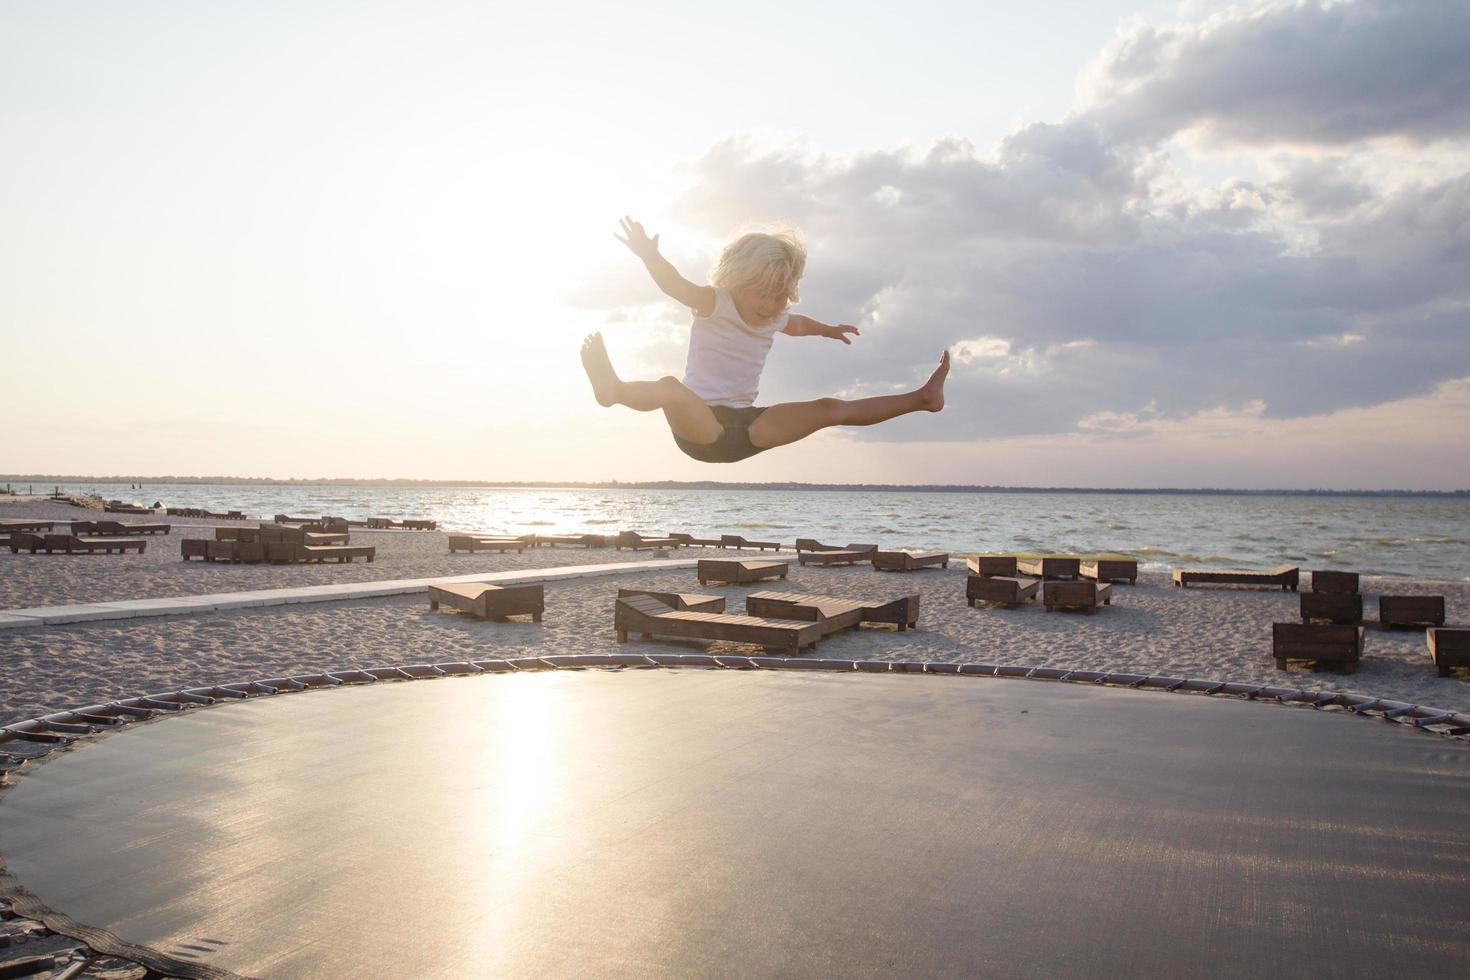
{"type": "Point", "coordinates": [1332, 607]}
{"type": "Point", "coordinates": [738, 571]}
{"type": "Point", "coordinates": [680, 600]}
{"type": "Point", "coordinates": [636, 541]}
{"type": "Point", "coordinates": [1283, 576]}
{"type": "Point", "coordinates": [1084, 595]}
{"type": "Point", "coordinates": [120, 528]}
{"type": "Point", "coordinates": [491, 601]}
{"type": "Point", "coordinates": [1449, 647]}
{"type": "Point", "coordinates": [1335, 583]}
{"type": "Point", "coordinates": [647, 615]}
{"type": "Point", "coordinates": [690, 541]}
{"type": "Point", "coordinates": [26, 541]}
{"type": "Point", "coordinates": [1341, 646]}
{"type": "Point", "coordinates": [833, 612]}
{"type": "Point", "coordinates": [738, 542]}
{"type": "Point", "coordinates": [1110, 570]}
{"type": "Point", "coordinates": [909, 561]}
{"type": "Point", "coordinates": [473, 543]}
{"type": "Point", "coordinates": [72, 545]}
{"type": "Point", "coordinates": [33, 527]}
{"type": "Point", "coordinates": [1050, 567]}
{"type": "Point", "coordinates": [812, 552]}
{"type": "Point", "coordinates": [1416, 611]}
{"type": "Point", "coordinates": [194, 548]}
{"type": "Point", "coordinates": [992, 565]}
{"type": "Point", "coordinates": [573, 540]}
{"type": "Point", "coordinates": [1000, 590]}
{"type": "Point", "coordinates": [335, 552]}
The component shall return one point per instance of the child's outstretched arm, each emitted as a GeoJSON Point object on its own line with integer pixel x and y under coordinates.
{"type": "Point", "coordinates": [804, 326]}
{"type": "Point", "coordinates": [700, 299]}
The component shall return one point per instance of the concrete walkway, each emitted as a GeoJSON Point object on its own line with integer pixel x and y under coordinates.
{"type": "Point", "coordinates": [185, 605]}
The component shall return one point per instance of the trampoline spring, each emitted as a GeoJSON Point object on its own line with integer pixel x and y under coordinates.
{"type": "Point", "coordinates": [1397, 713]}
{"type": "Point", "coordinates": [1358, 709]}
{"type": "Point", "coordinates": [1458, 731]}
{"type": "Point", "coordinates": [92, 718]}
{"type": "Point", "coordinates": [1215, 688]}
{"type": "Point", "coordinates": [69, 728]}
{"type": "Point", "coordinates": [126, 708]}
{"type": "Point", "coordinates": [1432, 720]}
{"type": "Point", "coordinates": [149, 701]}
{"type": "Point", "coordinates": [1175, 686]}
{"type": "Point", "coordinates": [50, 738]}
{"type": "Point", "coordinates": [278, 684]}
{"type": "Point", "coordinates": [193, 698]}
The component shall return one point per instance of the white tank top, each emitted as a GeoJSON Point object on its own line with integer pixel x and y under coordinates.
{"type": "Point", "coordinates": [726, 354]}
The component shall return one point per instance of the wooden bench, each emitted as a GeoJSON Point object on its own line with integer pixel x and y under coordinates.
{"type": "Point", "coordinates": [473, 543]}
{"type": "Point", "coordinates": [1283, 576]}
{"type": "Point", "coordinates": [72, 545]}
{"type": "Point", "coordinates": [992, 565]}
{"type": "Point", "coordinates": [738, 572]}
{"type": "Point", "coordinates": [1335, 583]}
{"type": "Point", "coordinates": [636, 541]}
{"type": "Point", "coordinates": [118, 527]}
{"type": "Point", "coordinates": [491, 601]}
{"type": "Point", "coordinates": [902, 612]}
{"type": "Point", "coordinates": [1332, 607]}
{"type": "Point", "coordinates": [647, 615]}
{"type": "Point", "coordinates": [1410, 610]}
{"type": "Point", "coordinates": [1049, 567]}
{"type": "Point", "coordinates": [1086, 596]}
{"type": "Point", "coordinates": [690, 541]}
{"type": "Point", "coordinates": [1000, 590]}
{"type": "Point", "coordinates": [1449, 647]}
{"type": "Point", "coordinates": [737, 542]}
{"type": "Point", "coordinates": [1341, 646]}
{"type": "Point", "coordinates": [681, 600]}
{"type": "Point", "coordinates": [909, 561]}
{"type": "Point", "coordinates": [1111, 570]}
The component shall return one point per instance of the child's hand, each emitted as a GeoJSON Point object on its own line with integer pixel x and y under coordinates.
{"type": "Point", "coordinates": [840, 332]}
{"type": "Point", "coordinates": [637, 239]}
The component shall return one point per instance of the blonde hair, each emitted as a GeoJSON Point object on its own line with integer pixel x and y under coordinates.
{"type": "Point", "coordinates": [772, 262]}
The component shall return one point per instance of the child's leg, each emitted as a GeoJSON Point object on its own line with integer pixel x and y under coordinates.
{"type": "Point", "coordinates": [785, 423]}
{"type": "Point", "coordinates": [689, 418]}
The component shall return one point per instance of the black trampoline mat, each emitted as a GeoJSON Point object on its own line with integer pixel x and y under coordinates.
{"type": "Point", "coordinates": [751, 823]}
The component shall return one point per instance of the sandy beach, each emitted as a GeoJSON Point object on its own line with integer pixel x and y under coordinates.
{"type": "Point", "coordinates": [1219, 633]}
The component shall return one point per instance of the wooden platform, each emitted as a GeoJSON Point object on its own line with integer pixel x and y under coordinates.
{"type": "Point", "coordinates": [1332, 607]}
{"type": "Point", "coordinates": [992, 565]}
{"type": "Point", "coordinates": [647, 615]}
{"type": "Point", "coordinates": [1335, 583]}
{"type": "Point", "coordinates": [491, 601]}
{"type": "Point", "coordinates": [737, 542]}
{"type": "Point", "coordinates": [70, 544]}
{"type": "Point", "coordinates": [909, 561]}
{"type": "Point", "coordinates": [1284, 577]}
{"type": "Point", "coordinates": [1449, 647]}
{"type": "Point", "coordinates": [902, 612]}
{"type": "Point", "coordinates": [680, 600]}
{"type": "Point", "coordinates": [1111, 570]}
{"type": "Point", "coordinates": [8, 526]}
{"type": "Point", "coordinates": [1341, 646]}
{"type": "Point", "coordinates": [1084, 596]}
{"type": "Point", "coordinates": [1410, 610]}
{"type": "Point", "coordinates": [473, 543]}
{"type": "Point", "coordinates": [1000, 590]}
{"type": "Point", "coordinates": [1054, 566]}
{"type": "Point", "coordinates": [571, 540]}
{"type": "Point", "coordinates": [738, 571]}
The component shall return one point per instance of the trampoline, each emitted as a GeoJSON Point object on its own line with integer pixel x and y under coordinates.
{"type": "Point", "coordinates": [850, 820]}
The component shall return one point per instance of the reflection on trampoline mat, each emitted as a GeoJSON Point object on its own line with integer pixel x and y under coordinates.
{"type": "Point", "coordinates": [698, 822]}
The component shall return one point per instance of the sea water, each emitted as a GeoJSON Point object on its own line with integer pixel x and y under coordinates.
{"type": "Point", "coordinates": [1416, 536]}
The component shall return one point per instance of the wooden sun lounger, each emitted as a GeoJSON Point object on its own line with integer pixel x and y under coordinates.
{"type": "Point", "coordinates": [574, 540]}
{"type": "Point", "coordinates": [992, 565]}
{"type": "Point", "coordinates": [1111, 570]}
{"type": "Point", "coordinates": [680, 600]}
{"type": "Point", "coordinates": [335, 552]}
{"type": "Point", "coordinates": [1000, 590]}
{"type": "Point", "coordinates": [1332, 607]}
{"type": "Point", "coordinates": [737, 542]}
{"type": "Point", "coordinates": [1052, 566]}
{"type": "Point", "coordinates": [1336, 583]}
{"type": "Point", "coordinates": [647, 615]}
{"type": "Point", "coordinates": [118, 527]}
{"type": "Point", "coordinates": [634, 540]}
{"type": "Point", "coordinates": [72, 545]}
{"type": "Point", "coordinates": [26, 541]}
{"type": "Point", "coordinates": [738, 572]}
{"type": "Point", "coordinates": [809, 551]}
{"type": "Point", "coordinates": [388, 524]}
{"type": "Point", "coordinates": [1449, 647]}
{"type": "Point", "coordinates": [7, 527]}
{"type": "Point", "coordinates": [909, 561]}
{"type": "Point", "coordinates": [491, 601]}
{"type": "Point", "coordinates": [1086, 596]}
{"type": "Point", "coordinates": [690, 541]}
{"type": "Point", "coordinates": [1410, 610]}
{"type": "Point", "coordinates": [834, 612]}
{"type": "Point", "coordinates": [1284, 576]}
{"type": "Point", "coordinates": [473, 543]}
{"type": "Point", "coordinates": [1339, 645]}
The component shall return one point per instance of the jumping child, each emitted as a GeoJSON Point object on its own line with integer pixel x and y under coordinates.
{"type": "Point", "coordinates": [712, 412]}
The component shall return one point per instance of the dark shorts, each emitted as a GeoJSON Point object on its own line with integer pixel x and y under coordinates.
{"type": "Point", "coordinates": [733, 444]}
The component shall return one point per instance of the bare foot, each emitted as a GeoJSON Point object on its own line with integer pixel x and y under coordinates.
{"type": "Point", "coordinates": [598, 365]}
{"type": "Point", "coordinates": [933, 389]}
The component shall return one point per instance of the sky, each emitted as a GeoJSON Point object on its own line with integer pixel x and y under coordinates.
{"type": "Point", "coordinates": [1196, 244]}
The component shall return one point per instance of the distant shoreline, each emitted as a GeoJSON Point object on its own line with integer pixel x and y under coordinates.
{"type": "Point", "coordinates": [52, 479]}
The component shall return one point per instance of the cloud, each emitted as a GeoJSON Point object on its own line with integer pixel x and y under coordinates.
{"type": "Point", "coordinates": [1291, 72]}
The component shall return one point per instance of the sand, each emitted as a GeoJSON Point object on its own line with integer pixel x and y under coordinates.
{"type": "Point", "coordinates": [1150, 628]}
